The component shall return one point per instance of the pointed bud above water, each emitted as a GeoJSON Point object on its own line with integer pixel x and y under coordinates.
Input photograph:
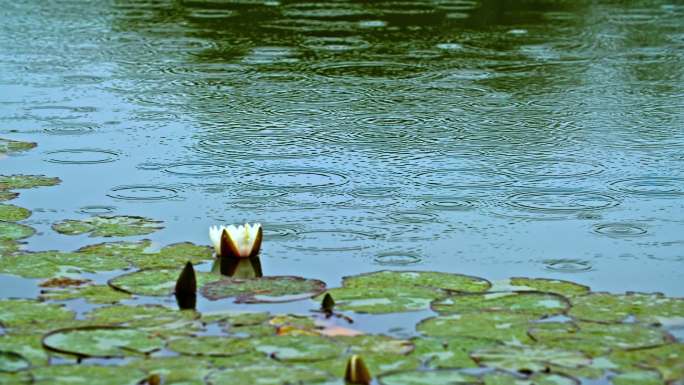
{"type": "Point", "coordinates": [328, 303]}
{"type": "Point", "coordinates": [187, 281]}
{"type": "Point", "coordinates": [357, 372]}
{"type": "Point", "coordinates": [243, 241]}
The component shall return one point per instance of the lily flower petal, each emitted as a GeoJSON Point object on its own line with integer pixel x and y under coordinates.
{"type": "Point", "coordinates": [236, 241]}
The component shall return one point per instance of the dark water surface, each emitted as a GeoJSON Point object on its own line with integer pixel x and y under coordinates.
{"type": "Point", "coordinates": [494, 138]}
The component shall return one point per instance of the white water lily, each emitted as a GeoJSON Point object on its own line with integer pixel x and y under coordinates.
{"type": "Point", "coordinates": [236, 241]}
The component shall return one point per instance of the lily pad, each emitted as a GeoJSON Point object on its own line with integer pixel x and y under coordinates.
{"type": "Point", "coordinates": [122, 249]}
{"type": "Point", "coordinates": [8, 247]}
{"type": "Point", "coordinates": [666, 359]}
{"type": "Point", "coordinates": [151, 318]}
{"type": "Point", "coordinates": [528, 358]}
{"type": "Point", "coordinates": [7, 195]}
{"type": "Point", "coordinates": [28, 346]}
{"type": "Point", "coordinates": [376, 344]}
{"type": "Point", "coordinates": [16, 378]}
{"type": "Point", "coordinates": [108, 226]}
{"type": "Point", "coordinates": [509, 328]}
{"type": "Point", "coordinates": [557, 286]}
{"type": "Point", "coordinates": [502, 378]}
{"type": "Point", "coordinates": [210, 346]}
{"type": "Point", "coordinates": [48, 264]}
{"type": "Point", "coordinates": [534, 303]}
{"type": "Point", "coordinates": [266, 289]}
{"type": "Point", "coordinates": [86, 375]}
{"type": "Point", "coordinates": [424, 279]}
{"type": "Point", "coordinates": [172, 256]}
{"type": "Point", "coordinates": [267, 374]}
{"type": "Point", "coordinates": [103, 342]}
{"type": "Point", "coordinates": [96, 294]}
{"type": "Point", "coordinates": [21, 312]}
{"type": "Point", "coordinates": [12, 362]}
{"type": "Point", "coordinates": [298, 348]}
{"type": "Point", "coordinates": [12, 213]}
{"type": "Point", "coordinates": [375, 300]}
{"type": "Point", "coordinates": [14, 231]}
{"type": "Point", "coordinates": [236, 318]}
{"type": "Point", "coordinates": [182, 370]}
{"type": "Point", "coordinates": [605, 307]}
{"type": "Point", "coordinates": [155, 282]}
{"type": "Point", "coordinates": [432, 377]}
{"type": "Point", "coordinates": [455, 352]}
{"type": "Point", "coordinates": [642, 377]}
{"type": "Point", "coordinates": [8, 146]}
{"type": "Point", "coordinates": [11, 182]}
{"type": "Point", "coordinates": [377, 364]}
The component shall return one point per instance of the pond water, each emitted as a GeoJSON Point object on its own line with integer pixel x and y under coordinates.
{"type": "Point", "coordinates": [492, 138]}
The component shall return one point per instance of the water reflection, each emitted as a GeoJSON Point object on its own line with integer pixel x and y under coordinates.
{"type": "Point", "coordinates": [238, 267]}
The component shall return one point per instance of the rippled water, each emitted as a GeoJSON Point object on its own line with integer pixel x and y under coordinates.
{"type": "Point", "coordinates": [492, 137]}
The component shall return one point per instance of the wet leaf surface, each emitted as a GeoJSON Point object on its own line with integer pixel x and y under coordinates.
{"type": "Point", "coordinates": [14, 231]}
{"type": "Point", "coordinates": [532, 303]}
{"type": "Point", "coordinates": [12, 213]}
{"type": "Point", "coordinates": [502, 378]}
{"type": "Point", "coordinates": [528, 358]}
{"type": "Point", "coordinates": [375, 300]}
{"type": "Point", "coordinates": [95, 294]}
{"type": "Point", "coordinates": [11, 182]}
{"type": "Point", "coordinates": [650, 308]}
{"type": "Point", "coordinates": [156, 282]}
{"type": "Point", "coordinates": [510, 328]}
{"type": "Point", "coordinates": [8, 146]}
{"type": "Point", "coordinates": [564, 288]}
{"type": "Point", "coordinates": [424, 279]}
{"type": "Point", "coordinates": [267, 373]}
{"type": "Point", "coordinates": [49, 264]}
{"type": "Point", "coordinates": [86, 375]}
{"type": "Point", "coordinates": [108, 226]}
{"type": "Point", "coordinates": [421, 377]}
{"type": "Point", "coordinates": [22, 312]}
{"type": "Point", "coordinates": [298, 348]}
{"type": "Point", "coordinates": [266, 289]}
{"type": "Point", "coordinates": [210, 346]}
{"type": "Point", "coordinates": [103, 342]}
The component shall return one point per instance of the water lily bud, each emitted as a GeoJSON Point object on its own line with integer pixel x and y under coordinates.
{"type": "Point", "coordinates": [243, 241]}
{"type": "Point", "coordinates": [357, 372]}
{"type": "Point", "coordinates": [187, 281]}
{"type": "Point", "coordinates": [328, 303]}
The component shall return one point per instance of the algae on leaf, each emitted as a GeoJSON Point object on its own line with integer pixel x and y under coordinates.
{"type": "Point", "coordinates": [108, 226]}
{"type": "Point", "coordinates": [12, 213]}
{"type": "Point", "coordinates": [533, 303]}
{"type": "Point", "coordinates": [102, 341]}
{"type": "Point", "coordinates": [265, 289]}
{"type": "Point", "coordinates": [423, 279]}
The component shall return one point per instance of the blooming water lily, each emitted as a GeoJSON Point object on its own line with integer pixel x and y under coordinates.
{"type": "Point", "coordinates": [241, 241]}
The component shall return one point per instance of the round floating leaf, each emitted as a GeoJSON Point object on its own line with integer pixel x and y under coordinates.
{"type": "Point", "coordinates": [642, 377]}
{"type": "Point", "coordinates": [267, 374]}
{"type": "Point", "coordinates": [11, 182]}
{"type": "Point", "coordinates": [17, 378]}
{"type": "Point", "coordinates": [8, 146]}
{"type": "Point", "coordinates": [210, 346]}
{"type": "Point", "coordinates": [15, 231]}
{"type": "Point", "coordinates": [108, 226]}
{"type": "Point", "coordinates": [12, 213]}
{"type": "Point", "coordinates": [503, 327]}
{"type": "Point", "coordinates": [236, 318]}
{"type": "Point", "coordinates": [432, 377]}
{"type": "Point", "coordinates": [502, 378]}
{"type": "Point", "coordinates": [86, 375]}
{"type": "Point", "coordinates": [104, 342]}
{"type": "Point", "coordinates": [426, 279]}
{"type": "Point", "coordinates": [377, 364]}
{"type": "Point", "coordinates": [8, 247]}
{"type": "Point", "coordinates": [182, 370]}
{"type": "Point", "coordinates": [605, 307]}
{"type": "Point", "coordinates": [152, 318]}
{"type": "Point", "coordinates": [449, 352]}
{"type": "Point", "coordinates": [596, 339]}
{"type": "Point", "coordinates": [18, 312]}
{"type": "Point", "coordinates": [564, 288]}
{"type": "Point", "coordinates": [51, 263]}
{"type": "Point", "coordinates": [7, 195]}
{"type": "Point", "coordinates": [12, 362]}
{"type": "Point", "coordinates": [534, 303]}
{"type": "Point", "coordinates": [377, 300]}
{"type": "Point", "coordinates": [298, 348]}
{"type": "Point", "coordinates": [172, 256]}
{"type": "Point", "coordinates": [97, 294]}
{"type": "Point", "coordinates": [666, 359]}
{"type": "Point", "coordinates": [28, 346]}
{"type": "Point", "coordinates": [155, 282]}
{"type": "Point", "coordinates": [376, 344]}
{"type": "Point", "coordinates": [122, 249]}
{"type": "Point", "coordinates": [266, 289]}
{"type": "Point", "coordinates": [528, 358]}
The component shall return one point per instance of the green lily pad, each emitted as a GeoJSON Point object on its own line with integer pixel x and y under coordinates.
{"type": "Point", "coordinates": [96, 294]}
{"type": "Point", "coordinates": [250, 331]}
{"type": "Point", "coordinates": [102, 341]}
{"type": "Point", "coordinates": [597, 339]}
{"type": "Point", "coordinates": [298, 348]}
{"type": "Point", "coordinates": [155, 282]}
{"type": "Point", "coordinates": [377, 364]}
{"type": "Point", "coordinates": [8, 146]}
{"type": "Point", "coordinates": [266, 289]}
{"type": "Point", "coordinates": [642, 377]}
{"type": "Point", "coordinates": [379, 344]}
{"type": "Point", "coordinates": [86, 375]}
{"type": "Point", "coordinates": [11, 182]}
{"type": "Point", "coordinates": [534, 303]}
{"type": "Point", "coordinates": [18, 312]}
{"type": "Point", "coordinates": [210, 346]}
{"type": "Point", "coordinates": [16, 378]}
{"type": "Point", "coordinates": [7, 195]}
{"type": "Point", "coordinates": [151, 318]}
{"type": "Point", "coordinates": [236, 318]}
{"type": "Point", "coordinates": [528, 358]}
{"type": "Point", "coordinates": [267, 374]}
{"type": "Point", "coordinates": [375, 300]}
{"type": "Point", "coordinates": [557, 286]}
{"type": "Point", "coordinates": [121, 249]}
{"type": "Point", "coordinates": [666, 359]}
{"type": "Point", "coordinates": [605, 307]}
{"type": "Point", "coordinates": [432, 377]}
{"type": "Point", "coordinates": [14, 231]}
{"type": "Point", "coordinates": [28, 346]}
{"type": "Point", "coordinates": [8, 247]}
{"type": "Point", "coordinates": [12, 362]}
{"type": "Point", "coordinates": [424, 279]}
{"type": "Point", "coordinates": [182, 370]}
{"type": "Point", "coordinates": [12, 213]}
{"type": "Point", "coordinates": [172, 256]}
{"type": "Point", "coordinates": [108, 226]}
{"type": "Point", "coordinates": [509, 328]}
{"type": "Point", "coordinates": [502, 378]}
{"type": "Point", "coordinates": [441, 353]}
{"type": "Point", "coordinates": [49, 264]}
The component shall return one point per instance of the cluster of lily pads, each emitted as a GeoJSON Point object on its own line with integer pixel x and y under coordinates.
{"type": "Point", "coordinates": [129, 329]}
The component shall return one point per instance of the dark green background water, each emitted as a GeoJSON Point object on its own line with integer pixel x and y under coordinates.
{"type": "Point", "coordinates": [494, 137]}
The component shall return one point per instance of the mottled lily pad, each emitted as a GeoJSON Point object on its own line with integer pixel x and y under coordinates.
{"type": "Point", "coordinates": [122, 249]}
{"type": "Point", "coordinates": [266, 289]}
{"type": "Point", "coordinates": [8, 247]}
{"type": "Point", "coordinates": [172, 256]}
{"type": "Point", "coordinates": [534, 303]}
{"type": "Point", "coordinates": [564, 288]}
{"type": "Point", "coordinates": [155, 282]}
{"type": "Point", "coordinates": [103, 342]}
{"type": "Point", "coordinates": [152, 318]}
{"type": "Point", "coordinates": [432, 377]}
{"type": "Point", "coordinates": [375, 300]}
{"type": "Point", "coordinates": [8, 146]}
{"type": "Point", "coordinates": [642, 377]}
{"type": "Point", "coordinates": [666, 359]}
{"type": "Point", "coordinates": [12, 213]}
{"type": "Point", "coordinates": [28, 346]}
{"type": "Point", "coordinates": [596, 339]}
{"type": "Point", "coordinates": [376, 344]}
{"type": "Point", "coordinates": [210, 346]}
{"type": "Point", "coordinates": [267, 374]}
{"type": "Point", "coordinates": [108, 226]}
{"type": "Point", "coordinates": [14, 231]}
{"type": "Point", "coordinates": [49, 264]}
{"type": "Point", "coordinates": [605, 307]}
{"type": "Point", "coordinates": [528, 358]}
{"type": "Point", "coordinates": [182, 370]}
{"type": "Point", "coordinates": [455, 352]}
{"type": "Point", "coordinates": [502, 378]}
{"type": "Point", "coordinates": [96, 294]}
{"type": "Point", "coordinates": [12, 362]}
{"type": "Point", "coordinates": [510, 328]}
{"type": "Point", "coordinates": [7, 195]}
{"type": "Point", "coordinates": [236, 318]}
{"type": "Point", "coordinates": [377, 364]}
{"type": "Point", "coordinates": [298, 348]}
{"type": "Point", "coordinates": [15, 378]}
{"type": "Point", "coordinates": [425, 279]}
{"type": "Point", "coordinates": [86, 375]}
{"type": "Point", "coordinates": [20, 312]}
{"type": "Point", "coordinates": [11, 182]}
